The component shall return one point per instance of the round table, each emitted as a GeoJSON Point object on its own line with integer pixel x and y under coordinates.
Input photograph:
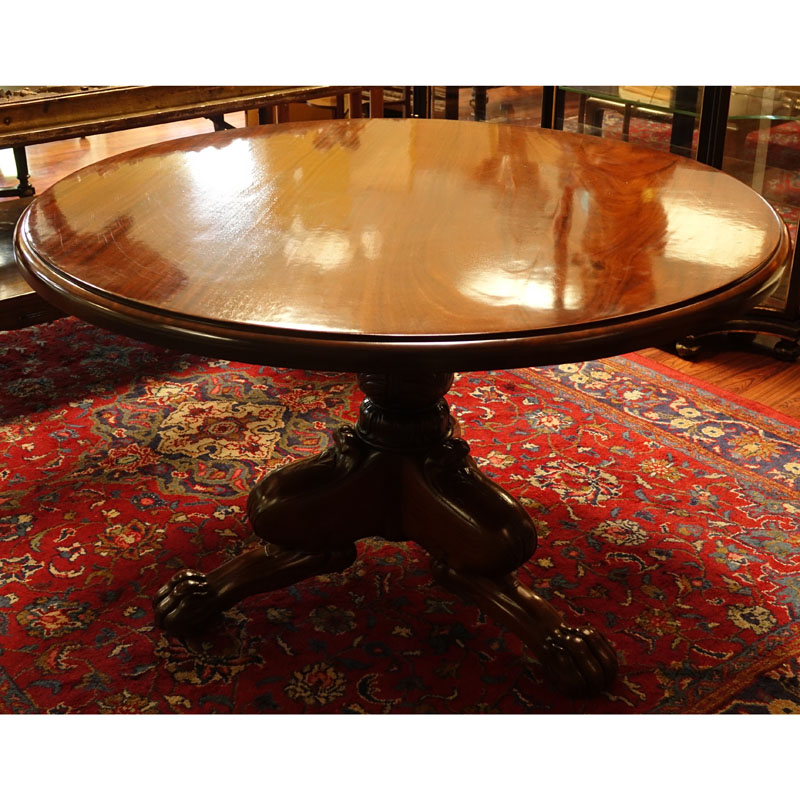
{"type": "Point", "coordinates": [403, 250]}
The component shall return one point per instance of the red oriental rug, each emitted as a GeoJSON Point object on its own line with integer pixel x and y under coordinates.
{"type": "Point", "coordinates": [667, 510]}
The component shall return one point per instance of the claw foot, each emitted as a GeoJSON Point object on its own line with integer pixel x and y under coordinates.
{"type": "Point", "coordinates": [186, 602]}
{"type": "Point", "coordinates": [579, 661]}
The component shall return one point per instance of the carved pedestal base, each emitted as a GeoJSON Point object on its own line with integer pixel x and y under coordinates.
{"type": "Point", "coordinates": [400, 474]}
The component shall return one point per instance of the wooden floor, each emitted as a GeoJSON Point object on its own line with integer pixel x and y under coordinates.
{"type": "Point", "coordinates": [756, 377]}
{"type": "Point", "coordinates": [753, 376]}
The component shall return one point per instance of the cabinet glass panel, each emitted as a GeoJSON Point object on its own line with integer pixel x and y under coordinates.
{"type": "Point", "coordinates": [663, 117]}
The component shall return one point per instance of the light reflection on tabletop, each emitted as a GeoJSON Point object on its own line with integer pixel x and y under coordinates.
{"type": "Point", "coordinates": [444, 227]}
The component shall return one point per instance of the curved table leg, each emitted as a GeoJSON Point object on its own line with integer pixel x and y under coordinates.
{"type": "Point", "coordinates": [191, 599]}
{"type": "Point", "coordinates": [479, 535]}
{"type": "Point", "coordinates": [291, 512]}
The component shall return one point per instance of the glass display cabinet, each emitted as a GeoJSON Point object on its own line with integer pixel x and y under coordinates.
{"type": "Point", "coordinates": [750, 132]}
{"type": "Point", "coordinates": [663, 115]}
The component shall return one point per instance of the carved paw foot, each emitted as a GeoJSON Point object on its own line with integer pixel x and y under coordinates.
{"type": "Point", "coordinates": [579, 661]}
{"type": "Point", "coordinates": [186, 602]}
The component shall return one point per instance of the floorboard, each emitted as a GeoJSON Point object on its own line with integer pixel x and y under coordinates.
{"type": "Point", "coordinates": [753, 376]}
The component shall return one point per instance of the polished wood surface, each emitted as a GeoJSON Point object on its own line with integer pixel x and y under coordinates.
{"type": "Point", "coordinates": [750, 375]}
{"type": "Point", "coordinates": [466, 246]}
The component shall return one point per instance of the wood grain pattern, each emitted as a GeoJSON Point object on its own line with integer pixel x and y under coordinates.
{"type": "Point", "coordinates": [751, 375]}
{"type": "Point", "coordinates": [330, 245]}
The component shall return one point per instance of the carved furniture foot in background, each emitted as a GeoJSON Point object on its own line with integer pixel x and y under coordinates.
{"type": "Point", "coordinates": [400, 474]}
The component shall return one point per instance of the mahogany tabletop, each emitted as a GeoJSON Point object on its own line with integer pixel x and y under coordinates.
{"type": "Point", "coordinates": [396, 244]}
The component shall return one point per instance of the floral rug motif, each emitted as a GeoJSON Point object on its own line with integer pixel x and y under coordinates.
{"type": "Point", "coordinates": [667, 511]}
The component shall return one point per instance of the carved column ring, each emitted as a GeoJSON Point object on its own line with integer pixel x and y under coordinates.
{"type": "Point", "coordinates": [404, 411]}
{"type": "Point", "coordinates": [405, 390]}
